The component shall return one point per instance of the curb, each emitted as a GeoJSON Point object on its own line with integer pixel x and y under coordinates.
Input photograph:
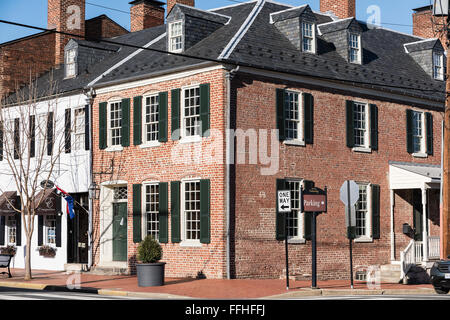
{"type": "Point", "coordinates": [23, 285]}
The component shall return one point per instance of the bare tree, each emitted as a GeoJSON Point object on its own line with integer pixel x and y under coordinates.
{"type": "Point", "coordinates": [32, 139]}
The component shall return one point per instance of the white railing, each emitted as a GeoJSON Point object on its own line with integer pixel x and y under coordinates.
{"type": "Point", "coordinates": [434, 247]}
{"type": "Point", "coordinates": [408, 258]}
{"type": "Point", "coordinates": [418, 251]}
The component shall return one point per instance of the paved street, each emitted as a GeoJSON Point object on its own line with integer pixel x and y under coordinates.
{"type": "Point", "coordinates": [381, 297]}
{"type": "Point", "coordinates": [28, 294]}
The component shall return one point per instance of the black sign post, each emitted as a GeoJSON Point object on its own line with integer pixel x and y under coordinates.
{"type": "Point", "coordinates": [286, 248]}
{"type": "Point", "coordinates": [314, 201]}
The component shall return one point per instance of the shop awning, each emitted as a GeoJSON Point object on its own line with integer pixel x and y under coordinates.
{"type": "Point", "coordinates": [407, 175]}
{"type": "Point", "coordinates": [8, 200]}
{"type": "Point", "coordinates": [49, 203]}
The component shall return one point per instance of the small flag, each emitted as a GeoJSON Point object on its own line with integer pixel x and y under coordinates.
{"type": "Point", "coordinates": [69, 201]}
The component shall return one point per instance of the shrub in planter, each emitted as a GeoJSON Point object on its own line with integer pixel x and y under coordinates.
{"type": "Point", "coordinates": [11, 250]}
{"type": "Point", "coordinates": [47, 251]}
{"type": "Point", "coordinates": [150, 271]}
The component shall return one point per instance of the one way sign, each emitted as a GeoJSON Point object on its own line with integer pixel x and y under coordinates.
{"type": "Point", "coordinates": [284, 201]}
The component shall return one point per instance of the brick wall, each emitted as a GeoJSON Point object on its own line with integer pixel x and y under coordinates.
{"type": "Point", "coordinates": [103, 27]}
{"type": "Point", "coordinates": [426, 26]}
{"type": "Point", "coordinates": [341, 8]}
{"type": "Point", "coordinates": [328, 162]}
{"type": "Point", "coordinates": [145, 16]}
{"type": "Point", "coordinates": [136, 165]}
{"type": "Point", "coordinates": [172, 3]}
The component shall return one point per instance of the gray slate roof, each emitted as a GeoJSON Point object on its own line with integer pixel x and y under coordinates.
{"type": "Point", "coordinates": [386, 65]}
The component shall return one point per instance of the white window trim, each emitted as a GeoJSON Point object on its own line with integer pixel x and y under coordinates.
{"type": "Point", "coordinates": [8, 228]}
{"type": "Point", "coordinates": [300, 239]}
{"type": "Point", "coordinates": [66, 75]}
{"type": "Point", "coordinates": [145, 142]}
{"type": "Point", "coordinates": [422, 153]}
{"type": "Point", "coordinates": [53, 245]}
{"type": "Point", "coordinates": [169, 36]}
{"type": "Point", "coordinates": [183, 137]}
{"type": "Point", "coordinates": [73, 129]}
{"type": "Point", "coordinates": [439, 76]}
{"type": "Point", "coordinates": [185, 242]}
{"type": "Point", "coordinates": [366, 148]}
{"type": "Point", "coordinates": [359, 60]}
{"type": "Point", "coordinates": [369, 236]}
{"type": "Point", "coordinates": [300, 140]}
{"type": "Point", "coordinates": [111, 147]}
{"type": "Point", "coordinates": [314, 37]}
{"type": "Point", "coordinates": [143, 204]}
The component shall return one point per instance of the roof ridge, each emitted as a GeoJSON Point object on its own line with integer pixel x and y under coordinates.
{"type": "Point", "coordinates": [205, 11]}
{"type": "Point", "coordinates": [285, 10]}
{"type": "Point", "coordinates": [232, 5]}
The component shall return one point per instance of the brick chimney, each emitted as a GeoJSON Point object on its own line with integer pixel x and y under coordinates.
{"type": "Point", "coordinates": [66, 16]}
{"type": "Point", "coordinates": [340, 8]}
{"type": "Point", "coordinates": [146, 14]}
{"type": "Point", "coordinates": [172, 3]}
{"type": "Point", "coordinates": [423, 24]}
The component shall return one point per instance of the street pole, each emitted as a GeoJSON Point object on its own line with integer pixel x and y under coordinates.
{"type": "Point", "coordinates": [314, 249]}
{"type": "Point", "coordinates": [445, 241]}
{"type": "Point", "coordinates": [350, 234]}
{"type": "Point", "coordinates": [287, 251]}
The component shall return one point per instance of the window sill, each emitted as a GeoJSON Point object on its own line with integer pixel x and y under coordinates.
{"type": "Point", "coordinates": [114, 149]}
{"type": "Point", "coordinates": [191, 244]}
{"type": "Point", "coordinates": [364, 239]}
{"type": "Point", "coordinates": [362, 149]}
{"type": "Point", "coordinates": [296, 241]}
{"type": "Point", "coordinates": [152, 144]}
{"type": "Point", "coordinates": [194, 139]}
{"type": "Point", "coordinates": [420, 155]}
{"type": "Point", "coordinates": [294, 143]}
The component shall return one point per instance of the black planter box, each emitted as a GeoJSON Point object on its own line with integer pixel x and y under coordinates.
{"type": "Point", "coordinates": [150, 274]}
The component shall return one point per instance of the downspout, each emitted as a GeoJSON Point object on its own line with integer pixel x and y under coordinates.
{"type": "Point", "coordinates": [229, 76]}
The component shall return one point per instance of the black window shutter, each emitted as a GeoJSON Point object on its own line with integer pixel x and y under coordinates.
{"type": "Point", "coordinates": [349, 121]}
{"type": "Point", "coordinates": [373, 127]}
{"type": "Point", "coordinates": [175, 211]}
{"type": "Point", "coordinates": [375, 211]}
{"type": "Point", "coordinates": [18, 229]}
{"type": "Point", "coordinates": [429, 124]}
{"type": "Point", "coordinates": [87, 125]}
{"type": "Point", "coordinates": [137, 120]}
{"type": "Point", "coordinates": [308, 103]}
{"type": "Point", "coordinates": [280, 96]}
{"type": "Point", "coordinates": [163, 117]}
{"type": "Point", "coordinates": [50, 133]}
{"type": "Point", "coordinates": [163, 214]}
{"type": "Point", "coordinates": [205, 108]}
{"type": "Point", "coordinates": [126, 122]}
{"type": "Point", "coordinates": [307, 185]}
{"type": "Point", "coordinates": [102, 117]}
{"type": "Point", "coordinates": [280, 222]}
{"type": "Point", "coordinates": [175, 114]}
{"type": "Point", "coordinates": [17, 151]}
{"type": "Point", "coordinates": [58, 228]}
{"type": "Point", "coordinates": [137, 213]}
{"type": "Point", "coordinates": [2, 230]}
{"type": "Point", "coordinates": [40, 230]}
{"type": "Point", "coordinates": [68, 130]}
{"type": "Point", "coordinates": [409, 131]}
{"type": "Point", "coordinates": [32, 136]}
{"type": "Point", "coordinates": [205, 220]}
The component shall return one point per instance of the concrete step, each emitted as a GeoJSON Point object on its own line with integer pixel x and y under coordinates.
{"type": "Point", "coordinates": [390, 273]}
{"type": "Point", "coordinates": [109, 271]}
{"type": "Point", "coordinates": [75, 267]}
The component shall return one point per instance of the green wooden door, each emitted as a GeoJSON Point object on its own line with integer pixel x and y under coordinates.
{"type": "Point", "coordinates": [417, 215]}
{"type": "Point", "coordinates": [119, 232]}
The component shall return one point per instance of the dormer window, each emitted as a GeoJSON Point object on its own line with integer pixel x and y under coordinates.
{"type": "Point", "coordinates": [176, 36]}
{"type": "Point", "coordinates": [71, 63]}
{"type": "Point", "coordinates": [438, 66]}
{"type": "Point", "coordinates": [308, 34]}
{"type": "Point", "coordinates": [354, 48]}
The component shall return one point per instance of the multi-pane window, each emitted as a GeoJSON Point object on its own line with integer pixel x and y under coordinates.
{"type": "Point", "coordinates": [152, 210]}
{"type": "Point", "coordinates": [176, 36]}
{"type": "Point", "coordinates": [115, 123]}
{"type": "Point", "coordinates": [70, 63]}
{"type": "Point", "coordinates": [151, 118]}
{"type": "Point", "coordinates": [308, 37]}
{"type": "Point", "coordinates": [191, 111]}
{"type": "Point", "coordinates": [120, 193]}
{"type": "Point", "coordinates": [79, 129]}
{"type": "Point", "coordinates": [362, 212]}
{"type": "Point", "coordinates": [438, 66]}
{"type": "Point", "coordinates": [354, 48]}
{"type": "Point", "coordinates": [293, 115]}
{"type": "Point", "coordinates": [191, 210]}
{"type": "Point", "coordinates": [294, 218]}
{"type": "Point", "coordinates": [11, 229]}
{"type": "Point", "coordinates": [418, 132]}
{"type": "Point", "coordinates": [50, 229]}
{"type": "Point", "coordinates": [360, 124]}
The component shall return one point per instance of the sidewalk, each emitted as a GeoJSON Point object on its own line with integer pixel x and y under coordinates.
{"type": "Point", "coordinates": [201, 289]}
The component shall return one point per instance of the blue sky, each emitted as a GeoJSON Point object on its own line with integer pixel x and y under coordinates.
{"type": "Point", "coordinates": [395, 14]}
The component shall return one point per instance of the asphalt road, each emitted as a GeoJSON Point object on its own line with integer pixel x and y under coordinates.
{"type": "Point", "coordinates": [28, 294]}
{"type": "Point", "coordinates": [428, 297]}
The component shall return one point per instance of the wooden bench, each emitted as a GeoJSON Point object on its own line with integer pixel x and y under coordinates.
{"type": "Point", "coordinates": [5, 260]}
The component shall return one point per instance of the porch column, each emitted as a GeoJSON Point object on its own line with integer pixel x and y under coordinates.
{"type": "Point", "coordinates": [424, 223]}
{"type": "Point", "coordinates": [392, 193]}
